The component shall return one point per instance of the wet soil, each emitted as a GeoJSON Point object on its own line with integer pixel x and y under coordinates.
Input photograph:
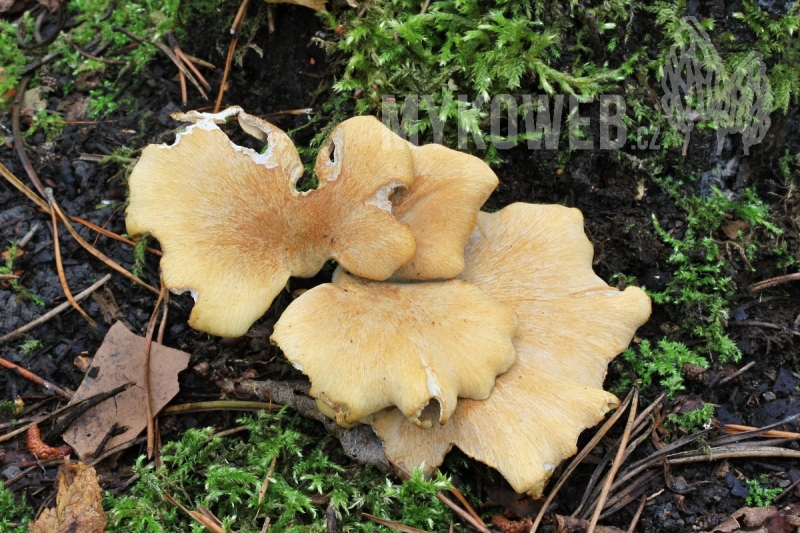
{"type": "Point", "coordinates": [602, 185]}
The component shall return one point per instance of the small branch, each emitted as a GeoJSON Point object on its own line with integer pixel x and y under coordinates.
{"type": "Point", "coordinates": [601, 501]}
{"type": "Point", "coordinates": [87, 55]}
{"type": "Point", "coordinates": [47, 316]}
{"type": "Point", "coordinates": [188, 63]}
{"type": "Point", "coordinates": [635, 519]}
{"type": "Point", "coordinates": [219, 405]}
{"type": "Point", "coordinates": [62, 278]}
{"type": "Point", "coordinates": [734, 452]}
{"type": "Point", "coordinates": [736, 374]}
{"type": "Point", "coordinates": [767, 283]}
{"type": "Point", "coordinates": [18, 144]}
{"type": "Point", "coordinates": [580, 457]}
{"type": "Point", "coordinates": [235, 27]}
{"type": "Point", "coordinates": [732, 429]}
{"type": "Point", "coordinates": [33, 378]}
{"type": "Point", "coordinates": [98, 254]}
{"type": "Point", "coordinates": [460, 497]}
{"type": "Point", "coordinates": [148, 345]}
{"type": "Point", "coordinates": [178, 63]}
{"type": "Point", "coordinates": [111, 234]}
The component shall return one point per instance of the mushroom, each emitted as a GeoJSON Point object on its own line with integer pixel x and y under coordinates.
{"type": "Point", "coordinates": [233, 226]}
{"type": "Point", "coordinates": [369, 345]}
{"type": "Point", "coordinates": [441, 209]}
{"type": "Point", "coordinates": [537, 260]}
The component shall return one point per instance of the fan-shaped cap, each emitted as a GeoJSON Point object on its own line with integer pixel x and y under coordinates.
{"type": "Point", "coordinates": [368, 345]}
{"type": "Point", "coordinates": [537, 260]}
{"type": "Point", "coordinates": [441, 208]}
{"type": "Point", "coordinates": [233, 226]}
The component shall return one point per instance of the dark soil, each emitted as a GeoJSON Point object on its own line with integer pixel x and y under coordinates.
{"type": "Point", "coordinates": [600, 184]}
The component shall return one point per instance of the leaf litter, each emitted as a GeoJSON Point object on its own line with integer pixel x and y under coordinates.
{"type": "Point", "coordinates": [117, 362]}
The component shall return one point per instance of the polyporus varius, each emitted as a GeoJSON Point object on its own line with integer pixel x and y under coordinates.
{"type": "Point", "coordinates": [441, 209]}
{"type": "Point", "coordinates": [368, 345]}
{"type": "Point", "coordinates": [399, 354]}
{"type": "Point", "coordinates": [233, 226]}
{"type": "Point", "coordinates": [537, 260]}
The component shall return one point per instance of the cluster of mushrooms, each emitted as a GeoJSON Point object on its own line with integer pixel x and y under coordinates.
{"type": "Point", "coordinates": [443, 325]}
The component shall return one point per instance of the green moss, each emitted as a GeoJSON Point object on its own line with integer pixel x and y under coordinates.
{"type": "Point", "coordinates": [665, 360]}
{"type": "Point", "coordinates": [12, 60]}
{"type": "Point", "coordinates": [226, 475]}
{"type": "Point", "coordinates": [458, 47]}
{"type": "Point", "coordinates": [759, 495]}
{"type": "Point", "coordinates": [692, 421]}
{"type": "Point", "coordinates": [14, 515]}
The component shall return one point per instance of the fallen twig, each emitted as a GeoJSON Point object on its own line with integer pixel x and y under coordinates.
{"type": "Point", "coordinates": [178, 63]}
{"type": "Point", "coordinates": [111, 234]}
{"type": "Point", "coordinates": [755, 432]}
{"type": "Point", "coordinates": [87, 55]}
{"type": "Point", "coordinates": [735, 375]}
{"type": "Point", "coordinates": [55, 311]}
{"type": "Point", "coordinates": [771, 434]}
{"type": "Point", "coordinates": [394, 525]}
{"type": "Point", "coordinates": [638, 425]}
{"type": "Point", "coordinates": [476, 523]}
{"type": "Point", "coordinates": [148, 344]}
{"type": "Point", "coordinates": [18, 145]}
{"type": "Point", "coordinates": [97, 253]}
{"type": "Point", "coordinates": [235, 27]}
{"type": "Point", "coordinates": [731, 452]}
{"type": "Point", "coordinates": [579, 458]}
{"type": "Point", "coordinates": [460, 497]}
{"type": "Point", "coordinates": [211, 522]}
{"type": "Point", "coordinates": [62, 278]}
{"type": "Point", "coordinates": [81, 408]}
{"type": "Point", "coordinates": [117, 449]}
{"type": "Point", "coordinates": [30, 376]}
{"type": "Point", "coordinates": [767, 283]}
{"type": "Point", "coordinates": [635, 519]}
{"type": "Point", "coordinates": [219, 405]}
{"type": "Point", "coordinates": [601, 501]}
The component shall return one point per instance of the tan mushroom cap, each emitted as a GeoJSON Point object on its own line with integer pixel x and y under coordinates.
{"type": "Point", "coordinates": [368, 345]}
{"type": "Point", "coordinates": [537, 260]}
{"type": "Point", "coordinates": [442, 208]}
{"type": "Point", "coordinates": [233, 227]}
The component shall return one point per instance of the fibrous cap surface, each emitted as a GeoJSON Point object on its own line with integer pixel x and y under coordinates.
{"type": "Point", "coordinates": [441, 208]}
{"type": "Point", "coordinates": [368, 345]}
{"type": "Point", "coordinates": [234, 228]}
{"type": "Point", "coordinates": [537, 260]}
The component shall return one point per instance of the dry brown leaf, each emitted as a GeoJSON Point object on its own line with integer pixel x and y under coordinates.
{"type": "Point", "coordinates": [761, 519]}
{"type": "Point", "coordinates": [119, 361]}
{"type": "Point", "coordinates": [733, 227]}
{"type": "Point", "coordinates": [78, 503]}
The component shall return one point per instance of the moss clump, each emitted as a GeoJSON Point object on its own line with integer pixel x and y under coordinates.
{"type": "Point", "coordinates": [306, 474]}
